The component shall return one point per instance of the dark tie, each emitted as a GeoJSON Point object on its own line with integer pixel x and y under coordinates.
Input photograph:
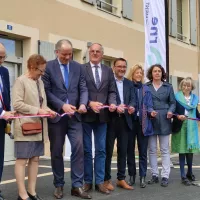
{"type": "Point", "coordinates": [97, 76]}
{"type": "Point", "coordinates": [66, 74]}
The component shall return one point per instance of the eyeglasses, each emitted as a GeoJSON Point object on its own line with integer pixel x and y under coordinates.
{"type": "Point", "coordinates": [93, 51]}
{"type": "Point", "coordinates": [121, 67]}
{"type": "Point", "coordinates": [3, 57]}
{"type": "Point", "coordinates": [42, 71]}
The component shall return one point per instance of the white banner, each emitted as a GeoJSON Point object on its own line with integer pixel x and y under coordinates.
{"type": "Point", "coordinates": [155, 37]}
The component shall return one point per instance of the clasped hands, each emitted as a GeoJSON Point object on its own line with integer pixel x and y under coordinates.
{"type": "Point", "coordinates": [70, 109]}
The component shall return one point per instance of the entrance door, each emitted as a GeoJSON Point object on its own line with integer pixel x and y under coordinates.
{"type": "Point", "coordinates": [14, 70]}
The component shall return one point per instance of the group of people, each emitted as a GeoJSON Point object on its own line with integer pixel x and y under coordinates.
{"type": "Point", "coordinates": [81, 100]}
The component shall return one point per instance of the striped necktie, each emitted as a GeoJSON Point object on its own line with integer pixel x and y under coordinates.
{"type": "Point", "coordinates": [97, 76]}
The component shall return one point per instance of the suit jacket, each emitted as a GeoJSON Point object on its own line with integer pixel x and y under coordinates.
{"type": "Point", "coordinates": [129, 100]}
{"type": "Point", "coordinates": [56, 91]}
{"type": "Point", "coordinates": [26, 101]}
{"type": "Point", "coordinates": [180, 110]}
{"type": "Point", "coordinates": [6, 88]}
{"type": "Point", "coordinates": [106, 93]}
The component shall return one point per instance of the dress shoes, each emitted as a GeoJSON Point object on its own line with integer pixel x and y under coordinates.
{"type": "Point", "coordinates": [131, 181]}
{"type": "Point", "coordinates": [154, 179]}
{"type": "Point", "coordinates": [124, 185]}
{"type": "Point", "coordinates": [87, 187]}
{"type": "Point", "coordinates": [35, 197]}
{"type": "Point", "coordinates": [101, 188]}
{"type": "Point", "coordinates": [79, 192]}
{"type": "Point", "coordinates": [108, 185]}
{"type": "Point", "coordinates": [142, 182]}
{"type": "Point", "coordinates": [58, 193]}
{"type": "Point", "coordinates": [19, 198]}
{"type": "Point", "coordinates": [190, 177]}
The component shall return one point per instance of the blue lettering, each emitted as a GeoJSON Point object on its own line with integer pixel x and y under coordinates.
{"type": "Point", "coordinates": [154, 30]}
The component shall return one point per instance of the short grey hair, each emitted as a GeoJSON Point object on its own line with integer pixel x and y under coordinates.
{"type": "Point", "coordinates": [102, 49]}
{"type": "Point", "coordinates": [187, 80]}
{"type": "Point", "coordinates": [61, 42]}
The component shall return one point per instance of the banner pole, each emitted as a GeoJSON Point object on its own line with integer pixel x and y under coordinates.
{"type": "Point", "coordinates": [167, 37]}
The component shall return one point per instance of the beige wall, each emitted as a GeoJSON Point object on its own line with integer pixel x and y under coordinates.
{"type": "Point", "coordinates": [80, 21]}
{"type": "Point", "coordinates": [51, 20]}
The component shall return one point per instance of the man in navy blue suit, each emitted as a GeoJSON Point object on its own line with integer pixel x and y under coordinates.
{"type": "Point", "coordinates": [66, 91]}
{"type": "Point", "coordinates": [4, 106]}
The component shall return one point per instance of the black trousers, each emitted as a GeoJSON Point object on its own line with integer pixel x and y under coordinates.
{"type": "Point", "coordinates": [2, 145]}
{"type": "Point", "coordinates": [142, 142]}
{"type": "Point", "coordinates": [117, 128]}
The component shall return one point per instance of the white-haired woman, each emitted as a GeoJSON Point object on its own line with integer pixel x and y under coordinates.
{"type": "Point", "coordinates": [185, 139]}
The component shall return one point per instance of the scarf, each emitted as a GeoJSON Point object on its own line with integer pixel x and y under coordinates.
{"type": "Point", "coordinates": [192, 126]}
{"type": "Point", "coordinates": [138, 85]}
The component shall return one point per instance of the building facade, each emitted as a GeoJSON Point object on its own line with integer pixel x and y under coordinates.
{"type": "Point", "coordinates": [34, 26]}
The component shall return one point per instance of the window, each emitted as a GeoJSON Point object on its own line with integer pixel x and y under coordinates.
{"type": "Point", "coordinates": [179, 20]}
{"type": "Point", "coordinates": [107, 62]}
{"type": "Point", "coordinates": [183, 24]}
{"type": "Point", "coordinates": [105, 5]}
{"type": "Point", "coordinates": [13, 47]}
{"type": "Point", "coordinates": [179, 79]}
{"type": "Point", "coordinates": [108, 6]}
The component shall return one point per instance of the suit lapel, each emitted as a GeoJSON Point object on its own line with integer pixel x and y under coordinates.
{"type": "Point", "coordinates": [58, 72]}
{"type": "Point", "coordinates": [89, 71]}
{"type": "Point", "coordinates": [103, 75]}
{"type": "Point", "coordinates": [118, 97]}
{"type": "Point", "coordinates": [125, 89]}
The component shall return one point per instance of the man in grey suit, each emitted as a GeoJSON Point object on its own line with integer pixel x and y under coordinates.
{"type": "Point", "coordinates": [102, 91]}
{"type": "Point", "coordinates": [66, 91]}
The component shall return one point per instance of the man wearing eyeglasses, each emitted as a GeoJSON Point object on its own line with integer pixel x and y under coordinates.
{"type": "Point", "coordinates": [102, 91]}
{"type": "Point", "coordinates": [120, 126]}
{"type": "Point", "coordinates": [5, 113]}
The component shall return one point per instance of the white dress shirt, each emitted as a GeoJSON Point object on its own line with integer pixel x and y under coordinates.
{"type": "Point", "coordinates": [99, 70]}
{"type": "Point", "coordinates": [120, 89]}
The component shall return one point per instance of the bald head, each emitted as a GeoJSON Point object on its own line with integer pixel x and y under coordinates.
{"type": "Point", "coordinates": [2, 53]}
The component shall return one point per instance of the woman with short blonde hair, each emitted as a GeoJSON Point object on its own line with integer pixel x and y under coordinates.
{"type": "Point", "coordinates": [142, 126]}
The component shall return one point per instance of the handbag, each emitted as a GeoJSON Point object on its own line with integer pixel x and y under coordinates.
{"type": "Point", "coordinates": [33, 128]}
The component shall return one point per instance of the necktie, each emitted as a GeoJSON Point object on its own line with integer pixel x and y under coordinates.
{"type": "Point", "coordinates": [66, 75]}
{"type": "Point", "coordinates": [97, 76]}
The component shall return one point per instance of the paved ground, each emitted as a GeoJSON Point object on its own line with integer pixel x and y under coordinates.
{"type": "Point", "coordinates": [175, 190]}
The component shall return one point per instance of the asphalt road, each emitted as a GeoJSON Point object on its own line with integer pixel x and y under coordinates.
{"type": "Point", "coordinates": [45, 188]}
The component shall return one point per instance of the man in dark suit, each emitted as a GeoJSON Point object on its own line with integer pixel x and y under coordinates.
{"type": "Point", "coordinates": [120, 125]}
{"type": "Point", "coordinates": [4, 106]}
{"type": "Point", "coordinates": [102, 91]}
{"type": "Point", "coordinates": [66, 91]}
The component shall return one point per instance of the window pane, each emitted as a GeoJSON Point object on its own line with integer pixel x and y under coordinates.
{"type": "Point", "coordinates": [105, 6]}
{"type": "Point", "coordinates": [106, 62]}
{"type": "Point", "coordinates": [13, 47]}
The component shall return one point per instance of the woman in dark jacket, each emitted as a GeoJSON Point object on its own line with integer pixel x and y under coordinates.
{"type": "Point", "coordinates": [164, 104]}
{"type": "Point", "coordinates": [142, 126]}
{"type": "Point", "coordinates": [185, 141]}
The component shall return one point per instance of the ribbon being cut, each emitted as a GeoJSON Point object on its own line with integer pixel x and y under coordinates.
{"type": "Point", "coordinates": [61, 115]}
